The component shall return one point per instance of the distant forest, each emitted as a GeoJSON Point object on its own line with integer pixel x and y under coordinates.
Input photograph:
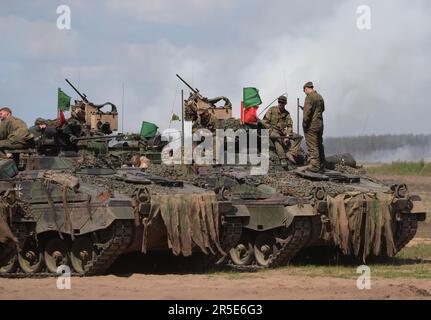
{"type": "Point", "coordinates": [382, 148]}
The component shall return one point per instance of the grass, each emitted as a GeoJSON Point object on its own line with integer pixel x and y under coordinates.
{"type": "Point", "coordinates": [412, 263]}
{"type": "Point", "coordinates": [402, 168]}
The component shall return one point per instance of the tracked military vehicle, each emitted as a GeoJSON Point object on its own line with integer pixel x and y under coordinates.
{"type": "Point", "coordinates": [285, 212]}
{"type": "Point", "coordinates": [289, 209]}
{"type": "Point", "coordinates": [84, 210]}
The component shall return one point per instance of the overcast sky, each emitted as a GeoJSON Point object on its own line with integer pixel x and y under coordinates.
{"type": "Point", "coordinates": [373, 81]}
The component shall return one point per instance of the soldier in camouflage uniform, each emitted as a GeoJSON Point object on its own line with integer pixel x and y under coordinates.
{"type": "Point", "coordinates": [279, 123]}
{"type": "Point", "coordinates": [190, 112]}
{"type": "Point", "coordinates": [206, 120]}
{"type": "Point", "coordinates": [14, 133]}
{"type": "Point", "coordinates": [314, 106]}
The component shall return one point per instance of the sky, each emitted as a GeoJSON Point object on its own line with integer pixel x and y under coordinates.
{"type": "Point", "coordinates": [373, 81]}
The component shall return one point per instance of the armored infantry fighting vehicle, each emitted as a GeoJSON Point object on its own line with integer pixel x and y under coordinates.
{"type": "Point", "coordinates": [285, 212]}
{"type": "Point", "coordinates": [83, 210]}
{"type": "Point", "coordinates": [289, 210]}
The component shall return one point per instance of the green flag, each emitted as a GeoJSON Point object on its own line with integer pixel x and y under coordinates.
{"type": "Point", "coordinates": [63, 101]}
{"type": "Point", "coordinates": [251, 97]}
{"type": "Point", "coordinates": [175, 117]}
{"type": "Point", "coordinates": [148, 130]}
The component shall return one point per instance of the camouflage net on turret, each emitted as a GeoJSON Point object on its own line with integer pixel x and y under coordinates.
{"type": "Point", "coordinates": [362, 223]}
{"type": "Point", "coordinates": [190, 219]}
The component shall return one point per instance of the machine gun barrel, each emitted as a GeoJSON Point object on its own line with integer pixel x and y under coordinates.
{"type": "Point", "coordinates": [83, 96]}
{"type": "Point", "coordinates": [189, 86]}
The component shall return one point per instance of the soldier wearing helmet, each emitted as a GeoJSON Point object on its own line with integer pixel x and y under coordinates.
{"type": "Point", "coordinates": [280, 125]}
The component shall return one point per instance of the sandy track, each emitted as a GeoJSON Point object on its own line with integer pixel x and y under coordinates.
{"type": "Point", "coordinates": [276, 284]}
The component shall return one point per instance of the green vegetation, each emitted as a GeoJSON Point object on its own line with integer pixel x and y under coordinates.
{"type": "Point", "coordinates": [412, 262]}
{"type": "Point", "coordinates": [420, 168]}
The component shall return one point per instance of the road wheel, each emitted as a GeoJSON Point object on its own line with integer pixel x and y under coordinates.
{"type": "Point", "coordinates": [82, 254]}
{"type": "Point", "coordinates": [30, 258]}
{"type": "Point", "coordinates": [242, 254]}
{"type": "Point", "coordinates": [56, 254]}
{"type": "Point", "coordinates": [265, 249]}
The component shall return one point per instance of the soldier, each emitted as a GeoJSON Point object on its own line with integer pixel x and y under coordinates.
{"type": "Point", "coordinates": [14, 133]}
{"type": "Point", "coordinates": [190, 112]}
{"type": "Point", "coordinates": [279, 123]}
{"type": "Point", "coordinates": [206, 120]}
{"type": "Point", "coordinates": [76, 126]}
{"type": "Point", "coordinates": [314, 106]}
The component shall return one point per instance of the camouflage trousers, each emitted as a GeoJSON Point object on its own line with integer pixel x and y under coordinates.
{"type": "Point", "coordinates": [316, 151]}
{"type": "Point", "coordinates": [8, 145]}
{"type": "Point", "coordinates": [281, 148]}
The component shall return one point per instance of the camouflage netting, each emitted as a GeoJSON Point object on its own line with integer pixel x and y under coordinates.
{"type": "Point", "coordinates": [289, 183]}
{"type": "Point", "coordinates": [8, 242]}
{"type": "Point", "coordinates": [362, 223]}
{"type": "Point", "coordinates": [190, 219]}
{"type": "Point", "coordinates": [285, 182]}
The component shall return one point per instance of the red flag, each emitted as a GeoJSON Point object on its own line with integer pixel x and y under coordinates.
{"type": "Point", "coordinates": [61, 117]}
{"type": "Point", "coordinates": [250, 115]}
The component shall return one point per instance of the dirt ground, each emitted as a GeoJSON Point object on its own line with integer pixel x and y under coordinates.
{"type": "Point", "coordinates": [274, 285]}
{"type": "Point", "coordinates": [279, 284]}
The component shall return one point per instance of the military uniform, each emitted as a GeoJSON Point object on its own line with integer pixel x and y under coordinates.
{"type": "Point", "coordinates": [208, 121]}
{"type": "Point", "coordinates": [314, 106]}
{"type": "Point", "coordinates": [14, 134]}
{"type": "Point", "coordinates": [190, 113]}
{"type": "Point", "coordinates": [279, 123]}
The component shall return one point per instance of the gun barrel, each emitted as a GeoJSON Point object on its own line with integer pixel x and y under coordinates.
{"type": "Point", "coordinates": [83, 96]}
{"type": "Point", "coordinates": [189, 86]}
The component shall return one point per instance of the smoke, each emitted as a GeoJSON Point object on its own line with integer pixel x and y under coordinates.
{"type": "Point", "coordinates": [405, 153]}
{"type": "Point", "coordinates": [383, 149]}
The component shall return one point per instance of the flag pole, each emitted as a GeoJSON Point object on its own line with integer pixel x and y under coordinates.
{"type": "Point", "coordinates": [182, 126]}
{"type": "Point", "coordinates": [122, 111]}
{"type": "Point", "coordinates": [297, 117]}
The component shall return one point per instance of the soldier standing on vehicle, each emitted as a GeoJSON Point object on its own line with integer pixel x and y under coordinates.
{"type": "Point", "coordinates": [280, 125]}
{"type": "Point", "coordinates": [14, 133]}
{"type": "Point", "coordinates": [314, 106]}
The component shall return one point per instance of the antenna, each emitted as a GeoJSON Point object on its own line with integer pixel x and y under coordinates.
{"type": "Point", "coordinates": [122, 111]}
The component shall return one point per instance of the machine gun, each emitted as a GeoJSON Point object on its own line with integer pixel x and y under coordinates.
{"type": "Point", "coordinates": [195, 91]}
{"type": "Point", "coordinates": [92, 114]}
{"type": "Point", "coordinates": [197, 102]}
{"type": "Point", "coordinates": [82, 95]}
